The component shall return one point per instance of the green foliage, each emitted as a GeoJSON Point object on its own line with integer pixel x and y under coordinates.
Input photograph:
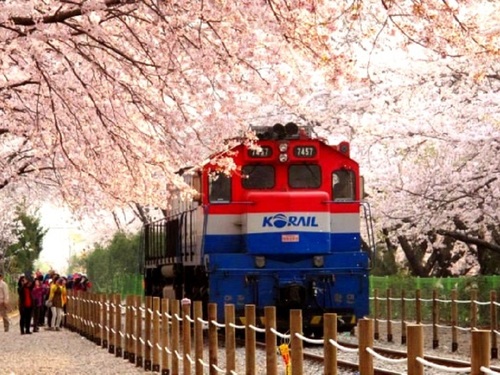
{"type": "Point", "coordinates": [384, 263]}
{"type": "Point", "coordinates": [21, 255]}
{"type": "Point", "coordinates": [115, 268]}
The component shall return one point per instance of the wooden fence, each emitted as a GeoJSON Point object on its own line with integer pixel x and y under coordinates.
{"type": "Point", "coordinates": [436, 312]}
{"type": "Point", "coordinates": [171, 337]}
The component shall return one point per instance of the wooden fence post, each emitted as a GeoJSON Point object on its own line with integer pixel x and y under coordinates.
{"type": "Point", "coordinates": [250, 336]}
{"type": "Point", "coordinates": [297, 346]}
{"type": "Point", "coordinates": [365, 341]}
{"type": "Point", "coordinates": [111, 324]}
{"type": "Point", "coordinates": [139, 355]}
{"type": "Point", "coordinates": [165, 336]}
{"type": "Point", "coordinates": [454, 321]}
{"type": "Point", "coordinates": [90, 298]}
{"type": "Point", "coordinates": [128, 326]}
{"type": "Point", "coordinates": [69, 310]}
{"type": "Point", "coordinates": [330, 351]}
{"type": "Point", "coordinates": [97, 319]}
{"type": "Point", "coordinates": [212, 338]}
{"type": "Point", "coordinates": [473, 308]}
{"type": "Point", "coordinates": [418, 306]}
{"type": "Point", "coordinates": [389, 314]}
{"type": "Point", "coordinates": [230, 338]}
{"type": "Point", "coordinates": [198, 336]}
{"type": "Point", "coordinates": [186, 335]}
{"type": "Point", "coordinates": [118, 325]}
{"type": "Point", "coordinates": [156, 334]}
{"type": "Point", "coordinates": [98, 316]}
{"type": "Point", "coordinates": [415, 349]}
{"type": "Point", "coordinates": [148, 319]}
{"type": "Point", "coordinates": [375, 313]}
{"type": "Point", "coordinates": [271, 355]}
{"type": "Point", "coordinates": [435, 319]}
{"type": "Point", "coordinates": [494, 324]}
{"type": "Point", "coordinates": [403, 317]}
{"type": "Point", "coordinates": [104, 320]}
{"type": "Point", "coordinates": [480, 351]}
{"type": "Point", "coordinates": [132, 354]}
{"type": "Point", "coordinates": [175, 335]}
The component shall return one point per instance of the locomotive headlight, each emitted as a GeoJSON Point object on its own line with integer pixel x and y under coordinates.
{"type": "Point", "coordinates": [283, 147]}
{"type": "Point", "coordinates": [260, 262]}
{"type": "Point", "coordinates": [318, 261]}
{"type": "Point", "coordinates": [283, 158]}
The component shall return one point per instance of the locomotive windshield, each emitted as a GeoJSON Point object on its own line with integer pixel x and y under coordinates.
{"type": "Point", "coordinates": [304, 176]}
{"type": "Point", "coordinates": [220, 188]}
{"type": "Point", "coordinates": [343, 182]}
{"type": "Point", "coordinates": [258, 176]}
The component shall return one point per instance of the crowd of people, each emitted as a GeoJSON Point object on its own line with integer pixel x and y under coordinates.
{"type": "Point", "coordinates": [42, 300]}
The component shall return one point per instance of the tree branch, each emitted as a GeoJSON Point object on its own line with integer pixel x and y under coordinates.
{"type": "Point", "coordinates": [469, 240]}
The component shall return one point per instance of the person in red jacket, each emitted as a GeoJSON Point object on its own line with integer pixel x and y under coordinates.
{"type": "Point", "coordinates": [25, 304]}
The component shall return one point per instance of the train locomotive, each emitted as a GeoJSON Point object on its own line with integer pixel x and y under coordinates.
{"type": "Point", "coordinates": [282, 229]}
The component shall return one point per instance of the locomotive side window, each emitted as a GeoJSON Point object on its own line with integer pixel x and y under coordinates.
{"type": "Point", "coordinates": [343, 182]}
{"type": "Point", "coordinates": [257, 177]}
{"type": "Point", "coordinates": [304, 176]}
{"type": "Point", "coordinates": [219, 188]}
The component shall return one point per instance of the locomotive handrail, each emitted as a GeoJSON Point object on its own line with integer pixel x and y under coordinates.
{"type": "Point", "coordinates": [369, 228]}
{"type": "Point", "coordinates": [230, 202]}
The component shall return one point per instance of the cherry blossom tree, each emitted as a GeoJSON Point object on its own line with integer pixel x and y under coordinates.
{"type": "Point", "coordinates": [104, 100]}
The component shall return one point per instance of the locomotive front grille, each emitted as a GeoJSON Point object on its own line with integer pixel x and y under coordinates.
{"type": "Point", "coordinates": [292, 296]}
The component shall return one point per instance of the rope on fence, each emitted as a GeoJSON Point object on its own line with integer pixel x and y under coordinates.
{"type": "Point", "coordinates": [378, 298]}
{"type": "Point", "coordinates": [217, 324]}
{"type": "Point", "coordinates": [308, 340]}
{"type": "Point", "coordinates": [386, 359]}
{"type": "Point", "coordinates": [189, 319]}
{"type": "Point", "coordinates": [232, 325]}
{"type": "Point", "coordinates": [204, 322]}
{"type": "Point", "coordinates": [179, 357]}
{"type": "Point", "coordinates": [343, 348]}
{"type": "Point", "coordinates": [279, 334]}
{"type": "Point", "coordinates": [489, 371]}
{"type": "Point", "coordinates": [443, 368]}
{"type": "Point", "coordinates": [257, 329]}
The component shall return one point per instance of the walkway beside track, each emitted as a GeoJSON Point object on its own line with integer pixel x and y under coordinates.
{"type": "Point", "coordinates": [56, 353]}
